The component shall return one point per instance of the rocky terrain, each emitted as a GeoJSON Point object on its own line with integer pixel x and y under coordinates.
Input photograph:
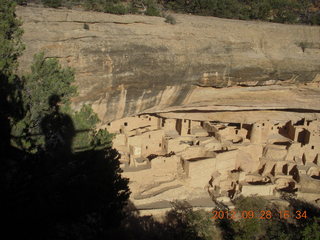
{"type": "Point", "coordinates": [204, 109]}
{"type": "Point", "coordinates": [129, 64]}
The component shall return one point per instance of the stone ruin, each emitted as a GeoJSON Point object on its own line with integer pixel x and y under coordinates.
{"type": "Point", "coordinates": [181, 158]}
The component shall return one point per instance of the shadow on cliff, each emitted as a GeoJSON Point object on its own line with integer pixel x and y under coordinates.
{"type": "Point", "coordinates": [58, 194]}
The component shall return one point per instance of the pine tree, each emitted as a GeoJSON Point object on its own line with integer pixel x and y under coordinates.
{"type": "Point", "coordinates": [47, 79]}
{"type": "Point", "coordinates": [11, 48]}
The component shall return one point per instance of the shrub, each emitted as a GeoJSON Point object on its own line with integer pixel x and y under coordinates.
{"type": "Point", "coordinates": [94, 5]}
{"type": "Point", "coordinates": [52, 3]}
{"type": "Point", "coordinates": [170, 19]}
{"type": "Point", "coordinates": [152, 11]}
{"type": "Point", "coordinates": [152, 8]}
{"type": "Point", "coordinates": [304, 45]}
{"type": "Point", "coordinates": [116, 9]}
{"type": "Point", "coordinates": [86, 26]}
{"type": "Point", "coordinates": [251, 203]}
{"type": "Point", "coordinates": [315, 18]}
{"type": "Point", "coordinates": [312, 231]}
{"type": "Point", "coordinates": [260, 10]}
{"type": "Point", "coordinates": [256, 228]}
{"type": "Point", "coordinates": [21, 2]}
{"type": "Point", "coordinates": [69, 4]}
{"type": "Point", "coordinates": [189, 223]}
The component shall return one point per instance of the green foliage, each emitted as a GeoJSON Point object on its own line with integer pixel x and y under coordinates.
{"type": "Point", "coordinates": [20, 2]}
{"type": "Point", "coordinates": [283, 11]}
{"type": "Point", "coordinates": [200, 221]}
{"type": "Point", "coordinates": [275, 227]}
{"type": "Point", "coordinates": [260, 10]}
{"type": "Point", "coordinates": [93, 5]}
{"type": "Point", "coordinates": [250, 203]}
{"type": "Point", "coordinates": [11, 46]}
{"type": "Point", "coordinates": [101, 139]}
{"type": "Point", "coordinates": [249, 229]}
{"type": "Point", "coordinates": [191, 224]}
{"type": "Point", "coordinates": [47, 78]}
{"type": "Point", "coordinates": [315, 18]}
{"type": "Point", "coordinates": [153, 11]}
{"type": "Point", "coordinates": [170, 19]}
{"type": "Point", "coordinates": [256, 228]}
{"type": "Point", "coordinates": [49, 195]}
{"type": "Point", "coordinates": [122, 7]}
{"type": "Point", "coordinates": [85, 121]}
{"type": "Point", "coordinates": [108, 6]}
{"type": "Point", "coordinates": [116, 9]}
{"type": "Point", "coordinates": [304, 45]}
{"type": "Point", "coordinates": [312, 231]}
{"type": "Point", "coordinates": [152, 8]}
{"type": "Point", "coordinates": [52, 3]}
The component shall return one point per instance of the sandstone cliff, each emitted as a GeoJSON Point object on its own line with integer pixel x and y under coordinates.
{"type": "Point", "coordinates": [127, 64]}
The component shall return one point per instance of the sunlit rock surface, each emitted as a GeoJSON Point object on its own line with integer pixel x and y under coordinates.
{"type": "Point", "coordinates": [129, 64]}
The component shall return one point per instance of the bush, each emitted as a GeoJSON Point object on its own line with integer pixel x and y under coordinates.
{"type": "Point", "coordinates": [170, 19]}
{"type": "Point", "coordinates": [260, 10]}
{"type": "Point", "coordinates": [21, 2]}
{"type": "Point", "coordinates": [304, 45]}
{"type": "Point", "coordinates": [95, 5]}
{"type": "Point", "coordinates": [315, 18]}
{"type": "Point", "coordinates": [152, 8]}
{"type": "Point", "coordinates": [256, 228]}
{"type": "Point", "coordinates": [251, 203]}
{"type": "Point", "coordinates": [116, 9]}
{"type": "Point", "coordinates": [282, 11]}
{"type": "Point", "coordinates": [152, 11]}
{"type": "Point", "coordinates": [189, 223]}
{"type": "Point", "coordinates": [86, 26]}
{"type": "Point", "coordinates": [312, 231]}
{"type": "Point", "coordinates": [52, 3]}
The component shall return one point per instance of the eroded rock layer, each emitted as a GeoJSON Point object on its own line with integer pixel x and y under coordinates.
{"type": "Point", "coordinates": [128, 64]}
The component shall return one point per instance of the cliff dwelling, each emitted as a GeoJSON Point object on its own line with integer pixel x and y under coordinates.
{"type": "Point", "coordinates": [211, 107]}
{"type": "Point", "coordinates": [211, 160]}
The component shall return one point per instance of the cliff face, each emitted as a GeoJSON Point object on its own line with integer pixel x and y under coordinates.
{"type": "Point", "coordinates": [127, 64]}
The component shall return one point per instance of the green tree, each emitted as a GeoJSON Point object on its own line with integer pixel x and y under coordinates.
{"type": "Point", "coordinates": [51, 196]}
{"type": "Point", "coordinates": [11, 48]}
{"type": "Point", "coordinates": [260, 9]}
{"type": "Point", "coordinates": [190, 224]}
{"type": "Point", "coordinates": [312, 231]}
{"type": "Point", "coordinates": [152, 8]}
{"type": "Point", "coordinates": [87, 136]}
{"type": "Point", "coordinates": [256, 228]}
{"type": "Point", "coordinates": [285, 11]}
{"type": "Point", "coordinates": [48, 78]}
